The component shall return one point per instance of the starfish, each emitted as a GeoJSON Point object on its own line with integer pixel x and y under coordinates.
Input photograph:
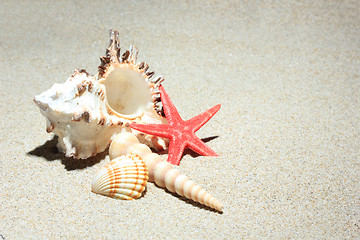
{"type": "Point", "coordinates": [181, 133]}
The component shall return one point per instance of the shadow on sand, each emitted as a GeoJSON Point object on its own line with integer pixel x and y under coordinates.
{"type": "Point", "coordinates": [49, 152]}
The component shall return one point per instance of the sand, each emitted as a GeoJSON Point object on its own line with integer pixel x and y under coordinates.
{"type": "Point", "coordinates": [288, 132]}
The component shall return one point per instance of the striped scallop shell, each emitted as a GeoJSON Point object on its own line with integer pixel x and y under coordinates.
{"type": "Point", "coordinates": [125, 178]}
{"type": "Point", "coordinates": [162, 173]}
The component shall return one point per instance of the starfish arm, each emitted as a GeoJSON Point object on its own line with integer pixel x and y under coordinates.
{"type": "Point", "coordinates": [199, 120]}
{"type": "Point", "coordinates": [161, 130]}
{"type": "Point", "coordinates": [176, 149]}
{"type": "Point", "coordinates": [171, 113]}
{"type": "Point", "coordinates": [200, 147]}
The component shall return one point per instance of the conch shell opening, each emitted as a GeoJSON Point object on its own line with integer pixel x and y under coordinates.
{"type": "Point", "coordinates": [127, 93]}
{"type": "Point", "coordinates": [86, 111]}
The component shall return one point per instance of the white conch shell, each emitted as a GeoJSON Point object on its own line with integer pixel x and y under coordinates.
{"type": "Point", "coordinates": [161, 172]}
{"type": "Point", "coordinates": [87, 111]}
{"type": "Point", "coordinates": [125, 178]}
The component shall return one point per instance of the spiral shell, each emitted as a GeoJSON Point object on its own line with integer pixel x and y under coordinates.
{"type": "Point", "coordinates": [161, 172]}
{"type": "Point", "coordinates": [124, 177]}
{"type": "Point", "coordinates": [86, 111]}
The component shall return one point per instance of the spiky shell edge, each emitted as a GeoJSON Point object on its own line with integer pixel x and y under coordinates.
{"type": "Point", "coordinates": [128, 60]}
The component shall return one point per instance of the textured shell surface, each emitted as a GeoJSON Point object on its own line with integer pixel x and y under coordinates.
{"type": "Point", "coordinates": [87, 111]}
{"type": "Point", "coordinates": [124, 177]}
{"type": "Point", "coordinates": [162, 173]}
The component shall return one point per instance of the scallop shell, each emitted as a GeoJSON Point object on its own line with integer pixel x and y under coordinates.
{"type": "Point", "coordinates": [161, 172]}
{"type": "Point", "coordinates": [86, 111]}
{"type": "Point", "coordinates": [125, 178]}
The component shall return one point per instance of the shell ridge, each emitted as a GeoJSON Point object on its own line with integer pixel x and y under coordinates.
{"type": "Point", "coordinates": [124, 177]}
{"type": "Point", "coordinates": [80, 111]}
{"type": "Point", "coordinates": [162, 173]}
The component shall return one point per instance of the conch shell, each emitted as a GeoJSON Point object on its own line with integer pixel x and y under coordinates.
{"type": "Point", "coordinates": [86, 111]}
{"type": "Point", "coordinates": [125, 178]}
{"type": "Point", "coordinates": [161, 172]}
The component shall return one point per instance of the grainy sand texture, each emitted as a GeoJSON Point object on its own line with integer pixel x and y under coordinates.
{"type": "Point", "coordinates": [287, 135]}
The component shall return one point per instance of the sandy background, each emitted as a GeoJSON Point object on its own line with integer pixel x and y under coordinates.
{"type": "Point", "coordinates": [286, 74]}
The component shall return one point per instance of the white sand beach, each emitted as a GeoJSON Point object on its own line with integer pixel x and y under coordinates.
{"type": "Point", "coordinates": [287, 134]}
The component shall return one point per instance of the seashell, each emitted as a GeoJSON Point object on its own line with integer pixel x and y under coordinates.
{"type": "Point", "coordinates": [125, 178]}
{"type": "Point", "coordinates": [87, 111]}
{"type": "Point", "coordinates": [161, 172]}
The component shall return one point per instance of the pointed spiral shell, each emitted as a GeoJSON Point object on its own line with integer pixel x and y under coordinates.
{"type": "Point", "coordinates": [124, 177]}
{"type": "Point", "coordinates": [161, 172]}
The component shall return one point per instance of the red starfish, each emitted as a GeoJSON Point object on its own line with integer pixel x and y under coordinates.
{"type": "Point", "coordinates": [181, 133]}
